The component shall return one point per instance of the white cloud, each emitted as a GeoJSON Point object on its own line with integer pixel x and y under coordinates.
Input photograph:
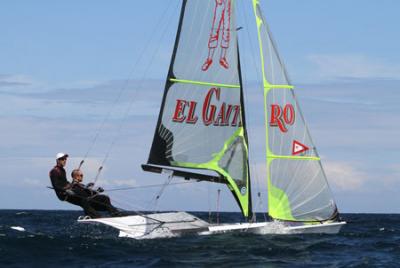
{"type": "Point", "coordinates": [392, 179]}
{"type": "Point", "coordinates": [342, 176]}
{"type": "Point", "coordinates": [334, 66]}
{"type": "Point", "coordinates": [20, 83]}
{"type": "Point", "coordinates": [345, 176]}
{"type": "Point", "coordinates": [15, 80]}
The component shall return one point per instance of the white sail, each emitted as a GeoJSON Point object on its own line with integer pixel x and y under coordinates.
{"type": "Point", "coordinates": [297, 185]}
{"type": "Point", "coordinates": [202, 123]}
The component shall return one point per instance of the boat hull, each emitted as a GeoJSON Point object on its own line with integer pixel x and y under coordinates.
{"type": "Point", "coordinates": [173, 224]}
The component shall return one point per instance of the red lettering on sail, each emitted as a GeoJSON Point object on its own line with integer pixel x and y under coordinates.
{"type": "Point", "coordinates": [236, 118]}
{"type": "Point", "coordinates": [276, 118]}
{"type": "Point", "coordinates": [288, 114]}
{"type": "Point", "coordinates": [221, 119]}
{"type": "Point", "coordinates": [209, 109]}
{"type": "Point", "coordinates": [179, 111]}
{"type": "Point", "coordinates": [213, 112]}
{"type": "Point", "coordinates": [282, 117]}
{"type": "Point", "coordinates": [192, 118]}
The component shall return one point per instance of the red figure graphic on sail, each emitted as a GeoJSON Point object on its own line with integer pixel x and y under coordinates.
{"type": "Point", "coordinates": [220, 26]}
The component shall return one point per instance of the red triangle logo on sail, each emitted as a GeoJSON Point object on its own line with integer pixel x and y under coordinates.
{"type": "Point", "coordinates": [298, 148]}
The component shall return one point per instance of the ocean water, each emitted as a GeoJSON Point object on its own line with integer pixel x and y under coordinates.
{"type": "Point", "coordinates": [55, 239]}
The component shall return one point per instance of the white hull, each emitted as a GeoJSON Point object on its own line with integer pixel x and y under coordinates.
{"type": "Point", "coordinates": [162, 225]}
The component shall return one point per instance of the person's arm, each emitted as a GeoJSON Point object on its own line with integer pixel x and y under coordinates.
{"type": "Point", "coordinates": [100, 190]}
{"type": "Point", "coordinates": [57, 180]}
{"type": "Point", "coordinates": [87, 188]}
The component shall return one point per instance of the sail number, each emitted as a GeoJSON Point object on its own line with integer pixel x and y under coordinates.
{"type": "Point", "coordinates": [282, 117]}
{"type": "Point", "coordinates": [213, 111]}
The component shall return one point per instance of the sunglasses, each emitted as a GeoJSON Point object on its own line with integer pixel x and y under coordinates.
{"type": "Point", "coordinates": [62, 159]}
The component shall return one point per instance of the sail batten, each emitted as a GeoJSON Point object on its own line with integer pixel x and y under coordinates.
{"type": "Point", "coordinates": [202, 83]}
{"type": "Point", "coordinates": [269, 86]}
{"type": "Point", "coordinates": [271, 156]}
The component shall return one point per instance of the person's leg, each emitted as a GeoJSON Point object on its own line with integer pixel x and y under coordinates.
{"type": "Point", "coordinates": [83, 203]}
{"type": "Point", "coordinates": [102, 203]}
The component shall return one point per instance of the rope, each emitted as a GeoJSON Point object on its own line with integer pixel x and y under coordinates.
{"type": "Point", "coordinates": [161, 191]}
{"type": "Point", "coordinates": [97, 175]}
{"type": "Point", "coordinates": [148, 186]}
{"type": "Point", "coordinates": [218, 197]}
{"type": "Point", "coordinates": [135, 93]}
{"type": "Point", "coordinates": [124, 87]}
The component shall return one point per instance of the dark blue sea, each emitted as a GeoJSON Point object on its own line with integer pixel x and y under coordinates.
{"type": "Point", "coordinates": [55, 239]}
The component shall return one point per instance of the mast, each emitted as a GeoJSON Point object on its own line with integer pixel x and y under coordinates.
{"type": "Point", "coordinates": [201, 124]}
{"type": "Point", "coordinates": [297, 185]}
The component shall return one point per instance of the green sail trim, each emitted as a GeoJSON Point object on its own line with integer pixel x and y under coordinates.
{"type": "Point", "coordinates": [270, 86]}
{"type": "Point", "coordinates": [243, 199]}
{"type": "Point", "coordinates": [203, 83]}
{"type": "Point", "coordinates": [183, 81]}
{"type": "Point", "coordinates": [278, 202]}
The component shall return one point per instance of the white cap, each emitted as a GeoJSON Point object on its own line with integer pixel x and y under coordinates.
{"type": "Point", "coordinates": [61, 155]}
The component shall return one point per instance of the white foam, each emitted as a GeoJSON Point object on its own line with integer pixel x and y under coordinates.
{"type": "Point", "coordinates": [18, 228]}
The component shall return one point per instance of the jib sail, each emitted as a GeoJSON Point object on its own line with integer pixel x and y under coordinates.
{"type": "Point", "coordinates": [297, 185]}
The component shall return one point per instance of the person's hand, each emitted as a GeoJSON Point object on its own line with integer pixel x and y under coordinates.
{"type": "Point", "coordinates": [90, 184]}
{"type": "Point", "coordinates": [100, 190]}
{"type": "Point", "coordinates": [69, 192]}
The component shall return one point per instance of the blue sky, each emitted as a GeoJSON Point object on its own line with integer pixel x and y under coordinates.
{"type": "Point", "coordinates": [63, 64]}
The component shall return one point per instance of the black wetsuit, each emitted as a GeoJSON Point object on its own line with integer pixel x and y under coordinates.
{"type": "Point", "coordinates": [64, 192]}
{"type": "Point", "coordinates": [59, 181]}
{"type": "Point", "coordinates": [99, 202]}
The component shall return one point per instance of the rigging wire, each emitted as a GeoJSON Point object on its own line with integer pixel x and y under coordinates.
{"type": "Point", "coordinates": [209, 203]}
{"type": "Point", "coordinates": [246, 94]}
{"type": "Point", "coordinates": [123, 88]}
{"type": "Point", "coordinates": [149, 186]}
{"type": "Point", "coordinates": [218, 201]}
{"type": "Point", "coordinates": [136, 91]}
{"type": "Point", "coordinates": [161, 191]}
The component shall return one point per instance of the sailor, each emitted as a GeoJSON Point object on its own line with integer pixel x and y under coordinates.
{"type": "Point", "coordinates": [63, 187]}
{"type": "Point", "coordinates": [97, 201]}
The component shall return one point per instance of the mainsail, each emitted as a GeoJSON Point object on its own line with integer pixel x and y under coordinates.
{"type": "Point", "coordinates": [297, 185]}
{"type": "Point", "coordinates": [201, 123]}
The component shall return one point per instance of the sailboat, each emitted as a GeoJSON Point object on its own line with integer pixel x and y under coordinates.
{"type": "Point", "coordinates": [202, 127]}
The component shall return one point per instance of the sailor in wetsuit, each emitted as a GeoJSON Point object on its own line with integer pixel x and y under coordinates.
{"type": "Point", "coordinates": [66, 191]}
{"type": "Point", "coordinates": [97, 201]}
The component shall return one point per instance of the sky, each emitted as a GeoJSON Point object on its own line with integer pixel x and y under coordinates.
{"type": "Point", "coordinates": [87, 77]}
